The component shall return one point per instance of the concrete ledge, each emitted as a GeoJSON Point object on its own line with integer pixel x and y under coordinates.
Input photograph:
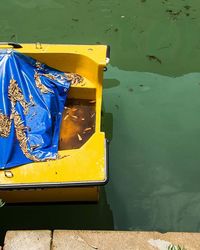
{"type": "Point", "coordinates": [28, 240]}
{"type": "Point", "coordinates": [103, 240]}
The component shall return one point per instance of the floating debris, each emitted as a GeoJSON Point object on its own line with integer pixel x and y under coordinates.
{"type": "Point", "coordinates": [74, 116]}
{"type": "Point", "coordinates": [187, 7]}
{"type": "Point", "coordinates": [66, 117]}
{"type": "Point", "coordinates": [130, 89]}
{"type": "Point", "coordinates": [79, 137]}
{"type": "Point", "coordinates": [92, 101]}
{"type": "Point", "coordinates": [82, 119]}
{"type": "Point", "coordinates": [154, 58]}
{"type": "Point", "coordinates": [87, 129]}
{"type": "Point", "coordinates": [173, 13]}
{"type": "Point", "coordinates": [116, 106]}
{"type": "Point", "coordinates": [8, 174]}
{"type": "Point", "coordinates": [92, 115]}
{"type": "Point", "coordinates": [5, 125]}
{"type": "Point", "coordinates": [75, 19]}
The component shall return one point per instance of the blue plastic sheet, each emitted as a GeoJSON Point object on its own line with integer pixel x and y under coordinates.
{"type": "Point", "coordinates": [32, 98]}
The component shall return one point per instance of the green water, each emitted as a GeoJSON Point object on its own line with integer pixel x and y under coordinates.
{"type": "Point", "coordinates": [151, 109]}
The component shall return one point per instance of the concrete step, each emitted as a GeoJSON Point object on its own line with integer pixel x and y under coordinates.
{"type": "Point", "coordinates": [28, 240]}
{"type": "Point", "coordinates": [102, 240]}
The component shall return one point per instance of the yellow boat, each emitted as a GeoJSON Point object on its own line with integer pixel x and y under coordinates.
{"type": "Point", "coordinates": [83, 166]}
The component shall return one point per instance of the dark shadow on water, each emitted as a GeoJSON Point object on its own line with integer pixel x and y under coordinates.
{"type": "Point", "coordinates": [107, 124]}
{"type": "Point", "coordinates": [57, 216]}
{"type": "Point", "coordinates": [110, 83]}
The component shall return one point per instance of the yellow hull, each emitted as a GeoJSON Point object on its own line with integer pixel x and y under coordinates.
{"type": "Point", "coordinates": [84, 160]}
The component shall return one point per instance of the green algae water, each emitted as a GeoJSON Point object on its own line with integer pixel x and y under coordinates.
{"type": "Point", "coordinates": [151, 109]}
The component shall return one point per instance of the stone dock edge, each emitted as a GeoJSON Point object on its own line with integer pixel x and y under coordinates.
{"type": "Point", "coordinates": [102, 240]}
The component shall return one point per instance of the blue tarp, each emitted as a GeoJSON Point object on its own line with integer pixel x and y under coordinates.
{"type": "Point", "coordinates": [32, 98]}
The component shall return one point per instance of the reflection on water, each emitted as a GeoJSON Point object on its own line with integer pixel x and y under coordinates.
{"type": "Point", "coordinates": [152, 119]}
{"type": "Point", "coordinates": [174, 209]}
{"type": "Point", "coordinates": [154, 151]}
